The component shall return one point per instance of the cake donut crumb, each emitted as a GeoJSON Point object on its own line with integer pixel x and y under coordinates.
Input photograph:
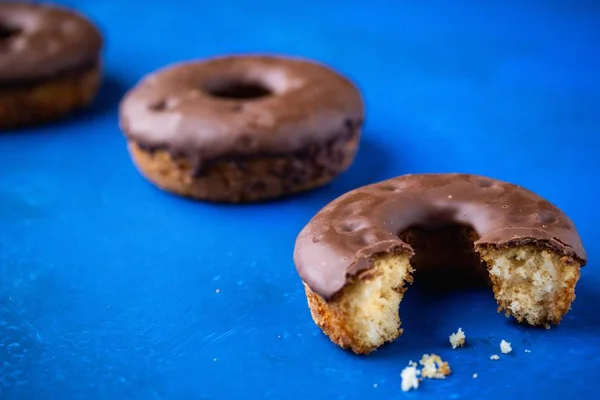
{"type": "Point", "coordinates": [457, 339]}
{"type": "Point", "coordinates": [505, 347]}
{"type": "Point", "coordinates": [494, 357]}
{"type": "Point", "coordinates": [434, 367]}
{"type": "Point", "coordinates": [410, 378]}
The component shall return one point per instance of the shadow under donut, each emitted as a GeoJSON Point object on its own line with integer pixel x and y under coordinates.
{"type": "Point", "coordinates": [109, 95]}
{"type": "Point", "coordinates": [371, 165]}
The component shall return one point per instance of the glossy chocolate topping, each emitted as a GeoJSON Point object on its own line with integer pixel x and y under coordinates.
{"type": "Point", "coordinates": [240, 106]}
{"type": "Point", "coordinates": [341, 239]}
{"type": "Point", "coordinates": [40, 40]}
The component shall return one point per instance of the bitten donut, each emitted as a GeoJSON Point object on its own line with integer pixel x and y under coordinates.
{"type": "Point", "coordinates": [359, 253]}
{"type": "Point", "coordinates": [242, 128]}
{"type": "Point", "coordinates": [49, 63]}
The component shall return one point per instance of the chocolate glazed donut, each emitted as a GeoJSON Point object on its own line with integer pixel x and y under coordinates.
{"type": "Point", "coordinates": [242, 128]}
{"type": "Point", "coordinates": [357, 255]}
{"type": "Point", "coordinates": [49, 63]}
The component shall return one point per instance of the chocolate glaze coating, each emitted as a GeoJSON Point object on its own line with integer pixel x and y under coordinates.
{"type": "Point", "coordinates": [341, 238]}
{"type": "Point", "coordinates": [39, 40]}
{"type": "Point", "coordinates": [303, 104]}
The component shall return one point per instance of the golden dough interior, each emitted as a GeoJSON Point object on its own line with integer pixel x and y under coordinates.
{"type": "Point", "coordinates": [530, 282]}
{"type": "Point", "coordinates": [364, 315]}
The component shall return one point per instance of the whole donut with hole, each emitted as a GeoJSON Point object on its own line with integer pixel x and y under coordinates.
{"type": "Point", "coordinates": [49, 63]}
{"type": "Point", "coordinates": [242, 128]}
{"type": "Point", "coordinates": [358, 254]}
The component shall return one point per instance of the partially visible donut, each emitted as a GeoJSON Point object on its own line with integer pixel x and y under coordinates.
{"type": "Point", "coordinates": [242, 128]}
{"type": "Point", "coordinates": [49, 63]}
{"type": "Point", "coordinates": [357, 255]}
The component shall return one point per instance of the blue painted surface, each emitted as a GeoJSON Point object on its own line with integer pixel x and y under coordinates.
{"type": "Point", "coordinates": [109, 286]}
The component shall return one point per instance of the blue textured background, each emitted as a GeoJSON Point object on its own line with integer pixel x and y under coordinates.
{"type": "Point", "coordinates": [109, 286]}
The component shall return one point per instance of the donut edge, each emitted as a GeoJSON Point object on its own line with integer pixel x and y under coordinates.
{"type": "Point", "coordinates": [50, 100]}
{"type": "Point", "coordinates": [347, 318]}
{"type": "Point", "coordinates": [251, 178]}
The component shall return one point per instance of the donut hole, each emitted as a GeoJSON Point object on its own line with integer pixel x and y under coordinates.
{"type": "Point", "coordinates": [8, 32]}
{"type": "Point", "coordinates": [445, 257]}
{"type": "Point", "coordinates": [529, 282]}
{"type": "Point", "coordinates": [238, 89]}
